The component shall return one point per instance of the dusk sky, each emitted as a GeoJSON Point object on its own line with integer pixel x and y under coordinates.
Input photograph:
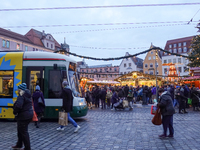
{"type": "Point", "coordinates": [113, 40]}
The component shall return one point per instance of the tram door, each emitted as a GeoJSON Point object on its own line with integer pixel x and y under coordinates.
{"type": "Point", "coordinates": [35, 76]}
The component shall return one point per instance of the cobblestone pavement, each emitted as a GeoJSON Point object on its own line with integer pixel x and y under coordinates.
{"type": "Point", "coordinates": [110, 130]}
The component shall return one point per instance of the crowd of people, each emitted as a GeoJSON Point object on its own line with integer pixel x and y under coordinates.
{"type": "Point", "coordinates": [109, 95]}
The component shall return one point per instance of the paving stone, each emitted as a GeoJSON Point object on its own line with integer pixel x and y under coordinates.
{"type": "Point", "coordinates": [110, 130]}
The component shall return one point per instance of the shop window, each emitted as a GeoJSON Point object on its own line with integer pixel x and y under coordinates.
{"type": "Point", "coordinates": [180, 69]}
{"type": "Point", "coordinates": [6, 84]}
{"type": "Point", "coordinates": [165, 70]}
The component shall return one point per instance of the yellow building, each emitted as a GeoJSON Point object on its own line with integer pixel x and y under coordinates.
{"type": "Point", "coordinates": [149, 64]}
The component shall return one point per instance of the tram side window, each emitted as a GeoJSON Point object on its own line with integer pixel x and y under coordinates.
{"type": "Point", "coordinates": [6, 84]}
{"type": "Point", "coordinates": [55, 84]}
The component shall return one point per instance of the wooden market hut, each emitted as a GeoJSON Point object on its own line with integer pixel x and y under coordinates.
{"type": "Point", "coordinates": [136, 78]}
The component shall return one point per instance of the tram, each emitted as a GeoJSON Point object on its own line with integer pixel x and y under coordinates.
{"type": "Point", "coordinates": [46, 69]}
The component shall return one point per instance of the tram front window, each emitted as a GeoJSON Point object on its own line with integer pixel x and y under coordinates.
{"type": "Point", "coordinates": [74, 83]}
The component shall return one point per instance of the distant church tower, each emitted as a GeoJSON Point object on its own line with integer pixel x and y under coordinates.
{"type": "Point", "coordinates": [65, 46]}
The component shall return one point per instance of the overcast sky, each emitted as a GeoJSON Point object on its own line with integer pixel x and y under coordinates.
{"type": "Point", "coordinates": [139, 37]}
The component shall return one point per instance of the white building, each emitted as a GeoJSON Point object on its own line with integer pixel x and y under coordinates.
{"type": "Point", "coordinates": [131, 64]}
{"type": "Point", "coordinates": [179, 46]}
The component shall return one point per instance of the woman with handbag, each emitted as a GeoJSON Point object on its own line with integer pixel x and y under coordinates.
{"type": "Point", "coordinates": [167, 110]}
{"type": "Point", "coordinates": [39, 104]}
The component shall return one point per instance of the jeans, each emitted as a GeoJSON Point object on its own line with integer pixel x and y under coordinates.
{"type": "Point", "coordinates": [23, 135]}
{"type": "Point", "coordinates": [147, 100]}
{"type": "Point", "coordinates": [175, 102]}
{"type": "Point", "coordinates": [167, 122]}
{"type": "Point", "coordinates": [70, 120]}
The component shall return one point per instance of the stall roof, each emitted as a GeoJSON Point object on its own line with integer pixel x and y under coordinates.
{"type": "Point", "coordinates": [192, 78]}
{"type": "Point", "coordinates": [103, 82]}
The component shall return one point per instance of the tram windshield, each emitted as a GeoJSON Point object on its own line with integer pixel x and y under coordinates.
{"type": "Point", "coordinates": [73, 79]}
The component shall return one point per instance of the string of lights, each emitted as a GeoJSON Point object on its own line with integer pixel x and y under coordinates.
{"type": "Point", "coordinates": [134, 55]}
{"type": "Point", "coordinates": [89, 7]}
{"type": "Point", "coordinates": [109, 74]}
{"type": "Point", "coordinates": [115, 48]}
{"type": "Point", "coordinates": [122, 28]}
{"type": "Point", "coordinates": [98, 24]}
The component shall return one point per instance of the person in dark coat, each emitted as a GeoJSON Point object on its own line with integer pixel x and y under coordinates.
{"type": "Point", "coordinates": [182, 101]}
{"type": "Point", "coordinates": [145, 93]}
{"type": "Point", "coordinates": [167, 110]}
{"type": "Point", "coordinates": [23, 112]}
{"type": "Point", "coordinates": [194, 97]}
{"type": "Point", "coordinates": [68, 105]}
{"type": "Point", "coordinates": [114, 98]}
{"type": "Point", "coordinates": [88, 98]}
{"type": "Point", "coordinates": [39, 107]}
{"type": "Point", "coordinates": [97, 94]}
{"type": "Point", "coordinates": [126, 90]}
{"type": "Point", "coordinates": [121, 93]}
{"type": "Point", "coordinates": [103, 98]}
{"type": "Point", "coordinates": [130, 98]}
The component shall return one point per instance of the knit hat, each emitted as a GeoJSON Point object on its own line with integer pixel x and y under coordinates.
{"type": "Point", "coordinates": [22, 86]}
{"type": "Point", "coordinates": [37, 87]}
{"type": "Point", "coordinates": [65, 83]}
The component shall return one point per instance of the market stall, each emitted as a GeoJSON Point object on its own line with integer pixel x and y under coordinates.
{"type": "Point", "coordinates": [136, 78]}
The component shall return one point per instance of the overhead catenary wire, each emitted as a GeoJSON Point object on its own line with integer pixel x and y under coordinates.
{"type": "Point", "coordinates": [96, 24]}
{"type": "Point", "coordinates": [89, 7]}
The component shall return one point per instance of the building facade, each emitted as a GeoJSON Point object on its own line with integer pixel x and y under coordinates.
{"type": "Point", "coordinates": [131, 64]}
{"type": "Point", "coordinates": [100, 72]}
{"type": "Point", "coordinates": [150, 62]}
{"type": "Point", "coordinates": [179, 46]}
{"type": "Point", "coordinates": [33, 40]}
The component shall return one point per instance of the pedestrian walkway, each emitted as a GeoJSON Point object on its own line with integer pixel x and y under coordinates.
{"type": "Point", "coordinates": [110, 130]}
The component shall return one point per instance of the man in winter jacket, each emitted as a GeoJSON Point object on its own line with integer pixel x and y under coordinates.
{"type": "Point", "coordinates": [68, 105]}
{"type": "Point", "coordinates": [103, 98]}
{"type": "Point", "coordinates": [167, 111]}
{"type": "Point", "coordinates": [23, 114]}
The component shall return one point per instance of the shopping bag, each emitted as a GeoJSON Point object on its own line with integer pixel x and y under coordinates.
{"type": "Point", "coordinates": [34, 116]}
{"type": "Point", "coordinates": [189, 101]}
{"type": "Point", "coordinates": [63, 118]}
{"type": "Point", "coordinates": [40, 101]}
{"type": "Point", "coordinates": [153, 109]}
{"type": "Point", "coordinates": [157, 118]}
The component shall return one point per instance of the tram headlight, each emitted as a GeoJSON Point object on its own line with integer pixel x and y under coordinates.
{"type": "Point", "coordinates": [82, 102]}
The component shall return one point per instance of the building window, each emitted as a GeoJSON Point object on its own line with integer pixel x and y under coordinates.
{"type": "Point", "coordinates": [115, 69]}
{"type": "Point", "coordinates": [7, 44]}
{"type": "Point", "coordinates": [26, 48]}
{"type": "Point", "coordinates": [180, 69]}
{"type": "Point", "coordinates": [110, 69]}
{"type": "Point", "coordinates": [151, 52]}
{"type": "Point", "coordinates": [18, 47]}
{"type": "Point", "coordinates": [124, 72]}
{"type": "Point", "coordinates": [100, 70]}
{"type": "Point", "coordinates": [185, 69]}
{"type": "Point", "coordinates": [4, 43]}
{"type": "Point", "coordinates": [170, 50]}
{"type": "Point", "coordinates": [87, 71]}
{"type": "Point", "coordinates": [180, 50]}
{"type": "Point", "coordinates": [154, 57]}
{"type": "Point", "coordinates": [165, 70]}
{"type": "Point", "coordinates": [170, 46]}
{"type": "Point", "coordinates": [36, 49]}
{"type": "Point", "coordinates": [146, 65]}
{"type": "Point", "coordinates": [49, 38]}
{"type": "Point", "coordinates": [121, 72]}
{"type": "Point", "coordinates": [184, 43]}
{"type": "Point", "coordinates": [179, 60]}
{"type": "Point", "coordinates": [151, 72]}
{"type": "Point", "coordinates": [146, 72]}
{"type": "Point", "coordinates": [157, 64]}
{"type": "Point", "coordinates": [157, 72]}
{"type": "Point", "coordinates": [129, 64]}
{"type": "Point", "coordinates": [151, 65]}
{"type": "Point", "coordinates": [33, 49]}
{"type": "Point", "coordinates": [185, 49]}
{"type": "Point", "coordinates": [174, 60]}
{"type": "Point", "coordinates": [169, 60]}
{"type": "Point", "coordinates": [179, 44]}
{"type": "Point", "coordinates": [174, 45]}
{"type": "Point", "coordinates": [165, 61]}
{"type": "Point", "coordinates": [124, 65]}
{"type": "Point", "coordinates": [51, 45]}
{"type": "Point", "coordinates": [47, 44]}
{"type": "Point", "coordinates": [149, 58]}
{"type": "Point", "coordinates": [82, 70]}
{"type": "Point", "coordinates": [175, 50]}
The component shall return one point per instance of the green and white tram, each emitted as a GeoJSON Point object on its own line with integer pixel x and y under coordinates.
{"type": "Point", "coordinates": [48, 70]}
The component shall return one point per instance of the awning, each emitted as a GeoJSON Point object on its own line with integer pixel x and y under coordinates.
{"type": "Point", "coordinates": [192, 78]}
{"type": "Point", "coordinates": [103, 82]}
